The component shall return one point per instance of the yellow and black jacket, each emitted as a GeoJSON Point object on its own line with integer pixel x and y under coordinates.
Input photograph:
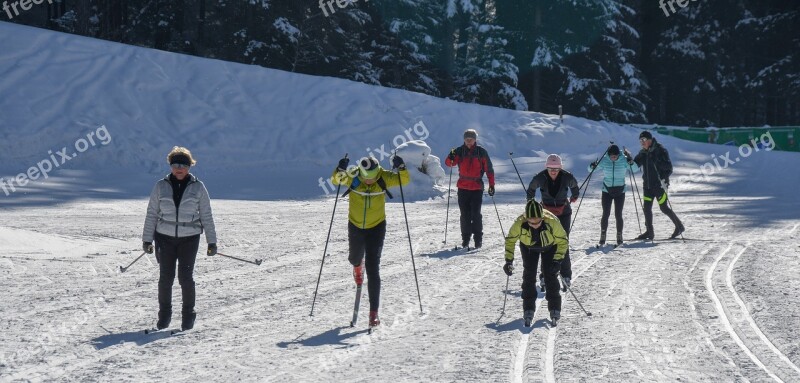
{"type": "Point", "coordinates": [552, 234]}
{"type": "Point", "coordinates": [367, 202]}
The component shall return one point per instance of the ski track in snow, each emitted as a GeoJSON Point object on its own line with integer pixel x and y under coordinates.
{"type": "Point", "coordinates": [518, 364]}
{"type": "Point", "coordinates": [753, 342]}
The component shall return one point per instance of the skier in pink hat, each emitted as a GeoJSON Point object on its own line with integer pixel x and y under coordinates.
{"type": "Point", "coordinates": [554, 183]}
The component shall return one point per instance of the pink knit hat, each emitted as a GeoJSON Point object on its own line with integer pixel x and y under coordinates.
{"type": "Point", "coordinates": [553, 161]}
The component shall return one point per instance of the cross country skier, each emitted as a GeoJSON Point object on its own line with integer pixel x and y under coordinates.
{"type": "Point", "coordinates": [366, 228]}
{"type": "Point", "coordinates": [554, 182]}
{"type": "Point", "coordinates": [615, 169]}
{"type": "Point", "coordinates": [178, 212]}
{"type": "Point", "coordinates": [539, 233]}
{"type": "Point", "coordinates": [656, 169]}
{"type": "Point", "coordinates": [473, 161]}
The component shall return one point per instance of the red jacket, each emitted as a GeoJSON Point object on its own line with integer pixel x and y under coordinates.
{"type": "Point", "coordinates": [472, 163]}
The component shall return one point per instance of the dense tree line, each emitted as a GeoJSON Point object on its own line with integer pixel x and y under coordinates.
{"type": "Point", "coordinates": [721, 63]}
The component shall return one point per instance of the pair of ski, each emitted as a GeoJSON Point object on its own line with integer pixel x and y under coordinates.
{"type": "Point", "coordinates": [355, 309]}
{"type": "Point", "coordinates": [175, 331]}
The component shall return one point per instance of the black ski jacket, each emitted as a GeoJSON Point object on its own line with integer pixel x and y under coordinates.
{"type": "Point", "coordinates": [655, 163]}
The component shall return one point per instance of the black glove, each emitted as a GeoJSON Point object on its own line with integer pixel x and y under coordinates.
{"type": "Point", "coordinates": [628, 156]}
{"type": "Point", "coordinates": [147, 247]}
{"type": "Point", "coordinates": [398, 163]}
{"type": "Point", "coordinates": [556, 265]}
{"type": "Point", "coordinates": [593, 164]}
{"type": "Point", "coordinates": [491, 191]}
{"type": "Point", "coordinates": [452, 155]}
{"type": "Point", "coordinates": [343, 164]}
{"type": "Point", "coordinates": [509, 267]}
{"type": "Point", "coordinates": [212, 248]}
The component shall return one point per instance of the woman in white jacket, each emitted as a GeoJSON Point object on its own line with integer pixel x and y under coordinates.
{"type": "Point", "coordinates": [178, 212]}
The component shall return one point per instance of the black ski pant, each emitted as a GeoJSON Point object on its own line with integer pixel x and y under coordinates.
{"type": "Point", "coordinates": [367, 245]}
{"type": "Point", "coordinates": [469, 203]}
{"type": "Point", "coordinates": [550, 271]}
{"type": "Point", "coordinates": [659, 195]}
{"type": "Point", "coordinates": [566, 264]}
{"type": "Point", "coordinates": [169, 252]}
{"type": "Point", "coordinates": [619, 203]}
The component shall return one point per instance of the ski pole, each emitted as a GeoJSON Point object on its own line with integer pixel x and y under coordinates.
{"type": "Point", "coordinates": [633, 195]}
{"type": "Point", "coordinates": [124, 269]}
{"type": "Point", "coordinates": [588, 314]}
{"type": "Point", "coordinates": [410, 247]}
{"type": "Point", "coordinates": [256, 262]}
{"type": "Point", "coordinates": [511, 155]}
{"type": "Point", "coordinates": [636, 186]}
{"type": "Point", "coordinates": [447, 215]}
{"type": "Point", "coordinates": [505, 293]}
{"type": "Point", "coordinates": [505, 298]}
{"type": "Point", "coordinates": [572, 224]}
{"type": "Point", "coordinates": [325, 251]}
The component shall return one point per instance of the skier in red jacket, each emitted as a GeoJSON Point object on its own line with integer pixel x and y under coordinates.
{"type": "Point", "coordinates": [473, 161]}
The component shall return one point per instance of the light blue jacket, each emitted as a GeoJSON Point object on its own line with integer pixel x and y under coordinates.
{"type": "Point", "coordinates": [615, 171]}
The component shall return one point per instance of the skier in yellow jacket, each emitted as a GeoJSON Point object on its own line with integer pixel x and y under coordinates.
{"type": "Point", "coordinates": [366, 229]}
{"type": "Point", "coordinates": [539, 232]}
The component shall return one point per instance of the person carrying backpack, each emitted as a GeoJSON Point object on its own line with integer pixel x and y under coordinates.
{"type": "Point", "coordinates": [366, 227]}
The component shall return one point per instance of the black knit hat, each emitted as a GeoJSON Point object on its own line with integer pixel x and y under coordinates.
{"type": "Point", "coordinates": [646, 134]}
{"type": "Point", "coordinates": [533, 209]}
{"type": "Point", "coordinates": [613, 150]}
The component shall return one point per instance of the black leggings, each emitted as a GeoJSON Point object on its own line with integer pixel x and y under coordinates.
{"type": "Point", "coordinates": [367, 245]}
{"type": "Point", "coordinates": [619, 202]}
{"type": "Point", "coordinates": [550, 272]}
{"type": "Point", "coordinates": [169, 252]}
{"type": "Point", "coordinates": [660, 196]}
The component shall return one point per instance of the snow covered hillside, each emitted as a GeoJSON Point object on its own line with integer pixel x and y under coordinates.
{"type": "Point", "coordinates": [722, 306]}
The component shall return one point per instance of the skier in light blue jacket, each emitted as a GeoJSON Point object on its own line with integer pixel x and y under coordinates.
{"type": "Point", "coordinates": [615, 169]}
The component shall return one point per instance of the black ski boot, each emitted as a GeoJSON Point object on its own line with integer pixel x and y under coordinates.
{"type": "Point", "coordinates": [619, 238]}
{"type": "Point", "coordinates": [164, 317]}
{"type": "Point", "coordinates": [465, 243]}
{"type": "Point", "coordinates": [646, 235]}
{"type": "Point", "coordinates": [478, 242]}
{"type": "Point", "coordinates": [528, 317]}
{"type": "Point", "coordinates": [602, 238]}
{"type": "Point", "coordinates": [187, 322]}
{"type": "Point", "coordinates": [678, 231]}
{"type": "Point", "coordinates": [555, 315]}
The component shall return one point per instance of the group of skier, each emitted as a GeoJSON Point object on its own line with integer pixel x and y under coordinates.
{"type": "Point", "coordinates": [179, 211]}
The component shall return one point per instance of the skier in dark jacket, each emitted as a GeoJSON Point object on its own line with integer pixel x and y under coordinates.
{"type": "Point", "coordinates": [554, 182]}
{"type": "Point", "coordinates": [473, 161]}
{"type": "Point", "coordinates": [178, 212]}
{"type": "Point", "coordinates": [656, 169]}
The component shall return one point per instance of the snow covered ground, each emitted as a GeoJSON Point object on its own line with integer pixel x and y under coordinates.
{"type": "Point", "coordinates": [723, 306]}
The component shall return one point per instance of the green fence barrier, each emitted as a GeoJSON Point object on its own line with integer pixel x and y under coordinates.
{"type": "Point", "coordinates": [783, 137]}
